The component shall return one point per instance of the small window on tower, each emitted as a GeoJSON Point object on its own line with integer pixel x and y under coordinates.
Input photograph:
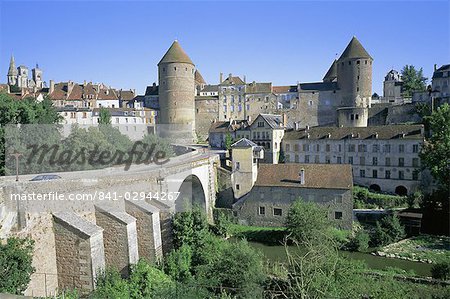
{"type": "Point", "coordinates": [175, 68]}
{"type": "Point", "coordinates": [349, 63]}
{"type": "Point", "coordinates": [357, 62]}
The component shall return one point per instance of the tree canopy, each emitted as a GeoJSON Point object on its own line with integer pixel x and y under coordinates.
{"type": "Point", "coordinates": [413, 80]}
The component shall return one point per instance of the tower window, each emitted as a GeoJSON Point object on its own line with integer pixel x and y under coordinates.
{"type": "Point", "coordinates": [186, 69]}
{"type": "Point", "coordinates": [357, 88]}
{"type": "Point", "coordinates": [365, 62]}
{"type": "Point", "coordinates": [349, 63]}
{"type": "Point", "coordinates": [357, 62]}
{"type": "Point", "coordinates": [175, 68]}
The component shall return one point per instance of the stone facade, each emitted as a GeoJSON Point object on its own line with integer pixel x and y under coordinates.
{"type": "Point", "coordinates": [385, 158]}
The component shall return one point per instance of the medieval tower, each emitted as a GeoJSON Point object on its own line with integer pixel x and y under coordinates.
{"type": "Point", "coordinates": [176, 74]}
{"type": "Point", "coordinates": [12, 72]}
{"type": "Point", "coordinates": [354, 78]}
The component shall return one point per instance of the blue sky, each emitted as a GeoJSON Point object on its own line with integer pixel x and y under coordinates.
{"type": "Point", "coordinates": [120, 43]}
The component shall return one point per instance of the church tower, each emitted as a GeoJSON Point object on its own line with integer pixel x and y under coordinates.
{"type": "Point", "coordinates": [176, 75]}
{"type": "Point", "coordinates": [37, 77]}
{"type": "Point", "coordinates": [12, 72]}
{"type": "Point", "coordinates": [354, 77]}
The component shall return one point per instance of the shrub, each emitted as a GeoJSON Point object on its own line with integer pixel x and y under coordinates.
{"type": "Point", "coordinates": [109, 284]}
{"type": "Point", "coordinates": [178, 264]}
{"type": "Point", "coordinates": [388, 230]}
{"type": "Point", "coordinates": [148, 282]}
{"type": "Point", "coordinates": [15, 265]}
{"type": "Point", "coordinates": [441, 270]}
{"type": "Point", "coordinates": [364, 199]}
{"type": "Point", "coordinates": [360, 242]}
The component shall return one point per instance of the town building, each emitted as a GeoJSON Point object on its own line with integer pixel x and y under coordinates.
{"type": "Point", "coordinates": [393, 87]}
{"type": "Point", "coordinates": [383, 158]}
{"type": "Point", "coordinates": [219, 130]}
{"type": "Point", "coordinates": [265, 192]}
{"type": "Point", "coordinates": [19, 77]}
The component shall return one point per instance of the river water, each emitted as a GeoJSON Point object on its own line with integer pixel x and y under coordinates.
{"type": "Point", "coordinates": [278, 254]}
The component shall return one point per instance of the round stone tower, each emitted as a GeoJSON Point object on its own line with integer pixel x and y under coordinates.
{"type": "Point", "coordinates": [177, 92]}
{"type": "Point", "coordinates": [354, 77]}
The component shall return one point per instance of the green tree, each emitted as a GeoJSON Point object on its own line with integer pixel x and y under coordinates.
{"type": "Point", "coordinates": [388, 230]}
{"type": "Point", "coordinates": [109, 285]}
{"type": "Point", "coordinates": [307, 221]}
{"type": "Point", "coordinates": [435, 154]}
{"type": "Point", "coordinates": [236, 266]}
{"type": "Point", "coordinates": [441, 270]}
{"type": "Point", "coordinates": [15, 264]}
{"type": "Point", "coordinates": [148, 282]}
{"type": "Point", "coordinates": [104, 116]}
{"type": "Point", "coordinates": [413, 80]}
{"type": "Point", "coordinates": [228, 141]}
{"type": "Point", "coordinates": [178, 264]}
{"type": "Point", "coordinates": [190, 228]}
{"type": "Point", "coordinates": [360, 242]}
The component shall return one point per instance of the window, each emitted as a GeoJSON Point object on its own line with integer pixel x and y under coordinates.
{"type": "Point", "coordinates": [387, 148]}
{"type": "Point", "coordinates": [362, 173]}
{"type": "Point", "coordinates": [317, 147]}
{"type": "Point", "coordinates": [415, 162]}
{"type": "Point", "coordinates": [415, 148]}
{"type": "Point", "coordinates": [415, 175]}
{"type": "Point", "coordinates": [351, 147]}
{"type": "Point", "coordinates": [374, 161]}
{"type": "Point", "coordinates": [387, 174]}
{"type": "Point", "coordinates": [401, 148]}
{"type": "Point", "coordinates": [388, 161]}
{"type": "Point", "coordinates": [374, 173]}
{"type": "Point", "coordinates": [362, 148]}
{"type": "Point", "coordinates": [339, 147]}
{"type": "Point", "coordinates": [277, 212]}
{"type": "Point", "coordinates": [296, 147]}
{"type": "Point", "coordinates": [316, 159]}
{"type": "Point", "coordinates": [350, 160]}
{"type": "Point", "coordinates": [287, 147]}
{"type": "Point", "coordinates": [237, 186]}
{"type": "Point", "coordinates": [337, 215]}
{"type": "Point", "coordinates": [306, 158]}
{"type": "Point", "coordinates": [401, 162]}
{"type": "Point", "coordinates": [327, 147]}
{"type": "Point", "coordinates": [262, 210]}
{"type": "Point", "coordinates": [296, 158]}
{"type": "Point", "coordinates": [306, 147]}
{"type": "Point", "coordinates": [327, 160]}
{"type": "Point", "coordinates": [401, 175]}
{"type": "Point", "coordinates": [260, 124]}
{"type": "Point", "coordinates": [362, 161]}
{"type": "Point", "coordinates": [375, 148]}
{"type": "Point", "coordinates": [238, 165]}
{"type": "Point", "coordinates": [339, 160]}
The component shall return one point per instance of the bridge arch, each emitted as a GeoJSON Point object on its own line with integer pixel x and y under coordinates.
{"type": "Point", "coordinates": [191, 194]}
{"type": "Point", "coordinates": [375, 188]}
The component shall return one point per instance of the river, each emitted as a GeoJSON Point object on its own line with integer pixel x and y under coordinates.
{"type": "Point", "coordinates": [277, 253]}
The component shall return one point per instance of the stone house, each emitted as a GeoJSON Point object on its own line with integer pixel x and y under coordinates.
{"type": "Point", "coordinates": [278, 185]}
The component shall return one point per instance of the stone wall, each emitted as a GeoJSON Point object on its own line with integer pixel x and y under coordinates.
{"type": "Point", "coordinates": [206, 111]}
{"type": "Point", "coordinates": [148, 229]}
{"type": "Point", "coordinates": [79, 251]}
{"type": "Point", "coordinates": [248, 213]}
{"type": "Point", "coordinates": [120, 239]}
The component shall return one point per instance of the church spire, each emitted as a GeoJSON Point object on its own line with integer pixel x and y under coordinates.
{"type": "Point", "coordinates": [12, 67]}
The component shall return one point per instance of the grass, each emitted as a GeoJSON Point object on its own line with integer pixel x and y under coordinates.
{"type": "Point", "coordinates": [424, 247]}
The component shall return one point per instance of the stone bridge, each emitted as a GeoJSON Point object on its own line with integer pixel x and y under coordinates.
{"type": "Point", "coordinates": [89, 220]}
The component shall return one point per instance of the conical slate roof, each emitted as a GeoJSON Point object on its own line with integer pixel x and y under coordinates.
{"type": "Point", "coordinates": [355, 50]}
{"type": "Point", "coordinates": [175, 54]}
{"type": "Point", "coordinates": [332, 72]}
{"type": "Point", "coordinates": [199, 77]}
{"type": "Point", "coordinates": [12, 67]}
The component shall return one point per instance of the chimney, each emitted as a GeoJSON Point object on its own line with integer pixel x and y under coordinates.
{"type": "Point", "coordinates": [221, 78]}
{"type": "Point", "coordinates": [329, 135]}
{"type": "Point", "coordinates": [245, 79]}
{"type": "Point", "coordinates": [285, 120]}
{"type": "Point", "coordinates": [435, 67]}
{"type": "Point", "coordinates": [307, 128]}
{"type": "Point", "coordinates": [229, 76]}
{"type": "Point", "coordinates": [70, 85]}
{"type": "Point", "coordinates": [296, 125]}
{"type": "Point", "coordinates": [84, 83]}
{"type": "Point", "coordinates": [52, 87]}
{"type": "Point", "coordinates": [302, 176]}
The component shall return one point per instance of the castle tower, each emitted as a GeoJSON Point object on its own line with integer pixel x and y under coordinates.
{"type": "Point", "coordinates": [354, 77]}
{"type": "Point", "coordinates": [12, 72]}
{"type": "Point", "coordinates": [177, 91]}
{"type": "Point", "coordinates": [37, 77]}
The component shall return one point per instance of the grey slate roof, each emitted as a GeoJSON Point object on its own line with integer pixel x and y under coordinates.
{"type": "Point", "coordinates": [439, 73]}
{"type": "Point", "coordinates": [243, 143]}
{"type": "Point", "coordinates": [232, 81]}
{"type": "Point", "coordinates": [152, 90]}
{"type": "Point", "coordinates": [210, 88]}
{"type": "Point", "coordinates": [336, 133]}
{"type": "Point", "coordinates": [331, 73]}
{"type": "Point", "coordinates": [273, 120]}
{"type": "Point", "coordinates": [318, 86]}
{"type": "Point", "coordinates": [175, 54]}
{"type": "Point", "coordinates": [355, 50]}
{"type": "Point", "coordinates": [258, 87]}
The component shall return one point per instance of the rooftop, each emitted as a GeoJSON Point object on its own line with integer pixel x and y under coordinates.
{"type": "Point", "coordinates": [355, 50]}
{"type": "Point", "coordinates": [175, 54]}
{"type": "Point", "coordinates": [379, 132]}
{"type": "Point", "coordinates": [320, 176]}
{"type": "Point", "coordinates": [243, 143]}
